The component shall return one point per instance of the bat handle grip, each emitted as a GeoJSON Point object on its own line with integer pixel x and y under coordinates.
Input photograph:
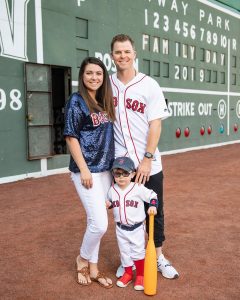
{"type": "Point", "coordinates": [151, 222]}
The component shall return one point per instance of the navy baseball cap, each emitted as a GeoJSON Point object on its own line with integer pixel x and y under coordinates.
{"type": "Point", "coordinates": [124, 163]}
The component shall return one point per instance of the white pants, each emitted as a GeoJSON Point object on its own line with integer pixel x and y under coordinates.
{"type": "Point", "coordinates": [131, 245]}
{"type": "Point", "coordinates": [93, 201]}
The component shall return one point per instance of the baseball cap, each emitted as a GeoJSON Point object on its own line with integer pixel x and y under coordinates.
{"type": "Point", "coordinates": [124, 163]}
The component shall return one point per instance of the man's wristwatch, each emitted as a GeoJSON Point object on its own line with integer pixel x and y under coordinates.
{"type": "Point", "coordinates": [148, 155]}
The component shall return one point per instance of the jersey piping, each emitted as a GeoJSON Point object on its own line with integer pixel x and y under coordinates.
{"type": "Point", "coordinates": [129, 130]}
{"type": "Point", "coordinates": [127, 116]}
{"type": "Point", "coordinates": [124, 203]}
{"type": "Point", "coordinates": [119, 112]}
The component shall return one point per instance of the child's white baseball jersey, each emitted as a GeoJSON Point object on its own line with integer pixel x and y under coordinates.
{"type": "Point", "coordinates": [129, 215]}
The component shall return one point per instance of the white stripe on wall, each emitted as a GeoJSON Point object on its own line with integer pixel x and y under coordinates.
{"type": "Point", "coordinates": [39, 34]}
{"type": "Point", "coordinates": [66, 170]}
{"type": "Point", "coordinates": [216, 6]}
{"type": "Point", "coordinates": [33, 175]}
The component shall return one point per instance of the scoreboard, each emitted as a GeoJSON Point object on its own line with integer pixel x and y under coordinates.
{"type": "Point", "coordinates": [192, 49]}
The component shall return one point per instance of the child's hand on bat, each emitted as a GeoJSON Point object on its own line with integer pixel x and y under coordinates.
{"type": "Point", "coordinates": [152, 210]}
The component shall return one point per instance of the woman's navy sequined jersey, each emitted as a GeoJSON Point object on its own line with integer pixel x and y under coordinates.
{"type": "Point", "coordinates": [93, 131]}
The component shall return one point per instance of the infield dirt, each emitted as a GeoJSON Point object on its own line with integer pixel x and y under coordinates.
{"type": "Point", "coordinates": [42, 223]}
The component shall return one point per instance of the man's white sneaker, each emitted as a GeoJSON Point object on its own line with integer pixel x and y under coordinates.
{"type": "Point", "coordinates": [121, 271]}
{"type": "Point", "coordinates": [165, 267]}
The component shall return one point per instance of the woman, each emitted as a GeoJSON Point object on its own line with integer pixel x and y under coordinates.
{"type": "Point", "coordinates": [89, 135]}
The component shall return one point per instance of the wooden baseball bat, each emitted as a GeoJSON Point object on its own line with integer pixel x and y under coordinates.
{"type": "Point", "coordinates": [150, 263]}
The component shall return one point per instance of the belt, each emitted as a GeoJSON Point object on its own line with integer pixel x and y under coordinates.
{"type": "Point", "coordinates": [128, 227]}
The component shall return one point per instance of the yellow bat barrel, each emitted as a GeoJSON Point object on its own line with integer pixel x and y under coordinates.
{"type": "Point", "coordinates": [150, 264]}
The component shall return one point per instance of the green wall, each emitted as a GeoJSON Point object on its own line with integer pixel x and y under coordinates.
{"type": "Point", "coordinates": [190, 47]}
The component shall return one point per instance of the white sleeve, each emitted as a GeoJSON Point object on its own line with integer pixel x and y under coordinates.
{"type": "Point", "coordinates": [157, 107]}
{"type": "Point", "coordinates": [147, 194]}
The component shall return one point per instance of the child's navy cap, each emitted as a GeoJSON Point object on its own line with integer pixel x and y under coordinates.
{"type": "Point", "coordinates": [124, 163]}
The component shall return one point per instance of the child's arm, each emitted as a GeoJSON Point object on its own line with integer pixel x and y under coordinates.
{"type": "Point", "coordinates": [153, 207]}
{"type": "Point", "coordinates": [150, 197]}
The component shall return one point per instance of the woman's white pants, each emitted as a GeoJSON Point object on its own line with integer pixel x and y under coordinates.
{"type": "Point", "coordinates": [93, 201]}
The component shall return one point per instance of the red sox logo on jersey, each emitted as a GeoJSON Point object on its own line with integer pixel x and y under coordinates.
{"type": "Point", "coordinates": [99, 118]}
{"type": "Point", "coordinates": [134, 105]}
{"type": "Point", "coordinates": [129, 203]}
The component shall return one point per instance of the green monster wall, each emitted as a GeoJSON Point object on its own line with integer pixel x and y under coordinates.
{"type": "Point", "coordinates": [190, 47]}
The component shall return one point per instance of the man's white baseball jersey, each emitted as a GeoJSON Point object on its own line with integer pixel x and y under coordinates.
{"type": "Point", "coordinates": [128, 204]}
{"type": "Point", "coordinates": [137, 103]}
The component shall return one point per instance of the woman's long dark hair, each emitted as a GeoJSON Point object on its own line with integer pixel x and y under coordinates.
{"type": "Point", "coordinates": [104, 94]}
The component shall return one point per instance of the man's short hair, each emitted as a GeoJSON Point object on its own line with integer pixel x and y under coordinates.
{"type": "Point", "coordinates": [122, 38]}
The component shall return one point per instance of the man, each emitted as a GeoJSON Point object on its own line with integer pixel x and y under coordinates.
{"type": "Point", "coordinates": [140, 107]}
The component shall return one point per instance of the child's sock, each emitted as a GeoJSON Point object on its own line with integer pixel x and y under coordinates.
{"type": "Point", "coordinates": [139, 267]}
{"type": "Point", "coordinates": [128, 270]}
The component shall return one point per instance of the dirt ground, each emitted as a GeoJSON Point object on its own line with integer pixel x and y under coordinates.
{"type": "Point", "coordinates": [42, 223]}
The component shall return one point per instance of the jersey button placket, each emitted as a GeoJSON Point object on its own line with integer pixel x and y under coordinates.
{"type": "Point", "coordinates": [126, 133]}
{"type": "Point", "coordinates": [122, 210]}
{"type": "Point", "coordinates": [124, 119]}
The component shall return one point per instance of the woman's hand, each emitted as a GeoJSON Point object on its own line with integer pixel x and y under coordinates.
{"type": "Point", "coordinates": [108, 204]}
{"type": "Point", "coordinates": [86, 178]}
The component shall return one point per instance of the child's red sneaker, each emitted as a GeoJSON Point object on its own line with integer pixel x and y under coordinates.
{"type": "Point", "coordinates": [124, 280]}
{"type": "Point", "coordinates": [138, 285]}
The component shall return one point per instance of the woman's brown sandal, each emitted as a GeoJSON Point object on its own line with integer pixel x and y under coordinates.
{"type": "Point", "coordinates": [102, 276]}
{"type": "Point", "coordinates": [84, 272]}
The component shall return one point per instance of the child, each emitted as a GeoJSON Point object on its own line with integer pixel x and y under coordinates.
{"type": "Point", "coordinates": [127, 200]}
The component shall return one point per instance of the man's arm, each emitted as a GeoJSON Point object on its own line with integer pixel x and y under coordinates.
{"type": "Point", "coordinates": [144, 168]}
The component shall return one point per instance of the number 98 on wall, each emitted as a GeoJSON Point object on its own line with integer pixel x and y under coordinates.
{"type": "Point", "coordinates": [12, 100]}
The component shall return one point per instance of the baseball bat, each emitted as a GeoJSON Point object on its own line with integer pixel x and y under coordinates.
{"type": "Point", "coordinates": [150, 263]}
